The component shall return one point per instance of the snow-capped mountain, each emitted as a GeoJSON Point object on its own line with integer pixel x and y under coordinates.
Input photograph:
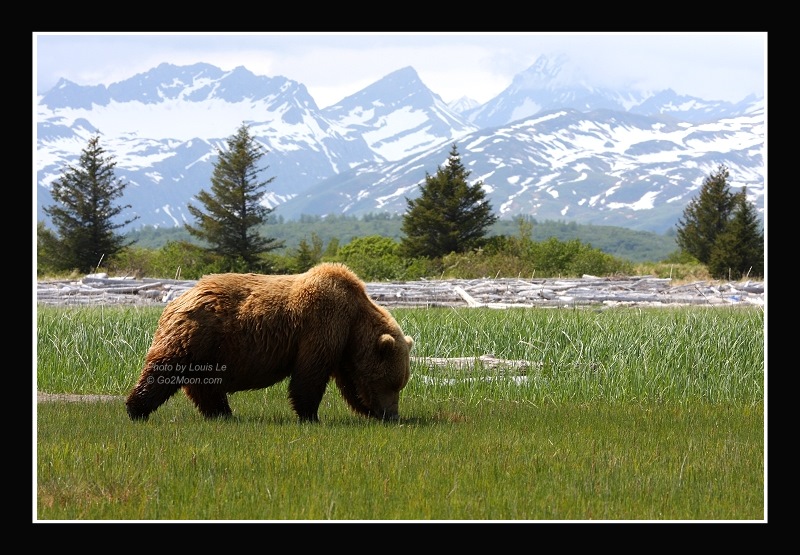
{"type": "Point", "coordinates": [463, 104]}
{"type": "Point", "coordinates": [547, 85]}
{"type": "Point", "coordinates": [398, 116]}
{"type": "Point", "coordinates": [600, 167]}
{"type": "Point", "coordinates": [541, 147]}
{"type": "Point", "coordinates": [163, 128]}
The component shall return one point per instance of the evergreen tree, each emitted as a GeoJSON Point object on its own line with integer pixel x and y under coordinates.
{"type": "Point", "coordinates": [308, 255]}
{"type": "Point", "coordinates": [84, 213]}
{"type": "Point", "coordinates": [233, 207]}
{"type": "Point", "coordinates": [48, 257]}
{"type": "Point", "coordinates": [449, 215]}
{"type": "Point", "coordinates": [706, 216]}
{"type": "Point", "coordinates": [739, 250]}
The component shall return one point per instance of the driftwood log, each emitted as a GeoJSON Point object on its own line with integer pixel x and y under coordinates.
{"type": "Point", "coordinates": [99, 289]}
{"type": "Point", "coordinates": [485, 362]}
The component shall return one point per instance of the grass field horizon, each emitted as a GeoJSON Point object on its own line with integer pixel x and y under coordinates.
{"type": "Point", "coordinates": [623, 414]}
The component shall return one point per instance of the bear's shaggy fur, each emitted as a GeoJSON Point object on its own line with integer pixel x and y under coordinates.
{"type": "Point", "coordinates": [234, 332]}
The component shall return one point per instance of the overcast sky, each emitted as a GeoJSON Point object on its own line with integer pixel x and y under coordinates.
{"type": "Point", "coordinates": [713, 66]}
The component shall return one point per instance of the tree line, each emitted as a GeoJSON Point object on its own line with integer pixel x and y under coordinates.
{"type": "Point", "coordinates": [444, 230]}
{"type": "Point", "coordinates": [634, 245]}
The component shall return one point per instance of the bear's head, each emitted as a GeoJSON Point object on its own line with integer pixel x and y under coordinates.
{"type": "Point", "coordinates": [372, 378]}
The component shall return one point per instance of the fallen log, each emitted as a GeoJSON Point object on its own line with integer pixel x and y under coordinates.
{"type": "Point", "coordinates": [469, 363]}
{"type": "Point", "coordinates": [497, 293]}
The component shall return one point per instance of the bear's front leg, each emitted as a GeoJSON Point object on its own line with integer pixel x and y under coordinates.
{"type": "Point", "coordinates": [305, 394]}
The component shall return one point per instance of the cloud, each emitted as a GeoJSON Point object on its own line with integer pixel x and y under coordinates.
{"type": "Point", "coordinates": [716, 66]}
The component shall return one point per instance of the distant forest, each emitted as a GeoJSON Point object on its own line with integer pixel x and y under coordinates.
{"type": "Point", "coordinates": [636, 246]}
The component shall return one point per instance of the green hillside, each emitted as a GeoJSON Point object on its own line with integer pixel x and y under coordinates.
{"type": "Point", "coordinates": [628, 244]}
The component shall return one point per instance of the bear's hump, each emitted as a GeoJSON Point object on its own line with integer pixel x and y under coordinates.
{"type": "Point", "coordinates": [334, 270]}
{"type": "Point", "coordinates": [331, 276]}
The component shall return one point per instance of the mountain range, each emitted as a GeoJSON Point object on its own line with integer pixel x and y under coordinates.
{"type": "Point", "coordinates": [544, 147]}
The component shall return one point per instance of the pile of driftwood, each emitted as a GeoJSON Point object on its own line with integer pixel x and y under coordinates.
{"type": "Point", "coordinates": [98, 289]}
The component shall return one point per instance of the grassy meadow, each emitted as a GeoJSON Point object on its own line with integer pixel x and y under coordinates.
{"type": "Point", "coordinates": [621, 414]}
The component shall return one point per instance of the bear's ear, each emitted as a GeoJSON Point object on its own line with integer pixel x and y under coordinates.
{"type": "Point", "coordinates": [409, 341]}
{"type": "Point", "coordinates": [385, 343]}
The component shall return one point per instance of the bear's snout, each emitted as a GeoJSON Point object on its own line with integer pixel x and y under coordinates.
{"type": "Point", "coordinates": [387, 406]}
{"type": "Point", "coordinates": [389, 415]}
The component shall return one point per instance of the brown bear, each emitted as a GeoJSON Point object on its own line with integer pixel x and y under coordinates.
{"type": "Point", "coordinates": [234, 332]}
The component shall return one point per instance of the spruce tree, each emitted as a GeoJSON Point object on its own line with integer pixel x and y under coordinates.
{"type": "Point", "coordinates": [233, 209]}
{"type": "Point", "coordinates": [706, 216]}
{"type": "Point", "coordinates": [449, 215]}
{"type": "Point", "coordinates": [84, 213]}
{"type": "Point", "coordinates": [739, 251]}
{"type": "Point", "coordinates": [308, 255]}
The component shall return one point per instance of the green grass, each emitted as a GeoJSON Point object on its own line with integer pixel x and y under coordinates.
{"type": "Point", "coordinates": [92, 350]}
{"type": "Point", "coordinates": [623, 414]}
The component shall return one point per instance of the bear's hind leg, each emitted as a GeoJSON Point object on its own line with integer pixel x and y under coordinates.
{"type": "Point", "coordinates": [147, 396]}
{"type": "Point", "coordinates": [210, 401]}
